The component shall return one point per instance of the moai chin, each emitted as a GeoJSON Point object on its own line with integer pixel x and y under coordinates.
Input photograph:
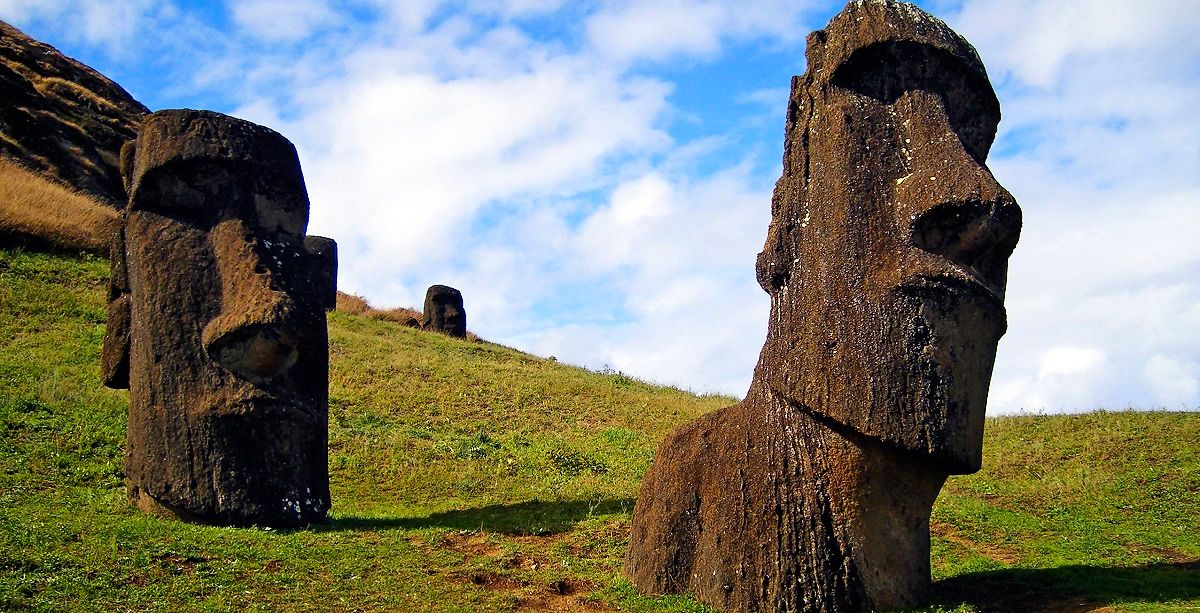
{"type": "Point", "coordinates": [444, 312]}
{"type": "Point", "coordinates": [217, 325]}
{"type": "Point", "coordinates": [886, 261]}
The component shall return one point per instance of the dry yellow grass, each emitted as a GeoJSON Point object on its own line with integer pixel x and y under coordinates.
{"type": "Point", "coordinates": [74, 92]}
{"type": "Point", "coordinates": [32, 205]}
{"type": "Point", "coordinates": [353, 304]}
{"type": "Point", "coordinates": [357, 305]}
{"type": "Point", "coordinates": [400, 315]}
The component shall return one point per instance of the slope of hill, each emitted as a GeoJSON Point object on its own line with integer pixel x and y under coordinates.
{"type": "Point", "coordinates": [63, 119]}
{"type": "Point", "coordinates": [472, 477]}
{"type": "Point", "coordinates": [37, 210]}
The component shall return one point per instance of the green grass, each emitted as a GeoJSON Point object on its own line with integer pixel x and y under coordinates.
{"type": "Point", "coordinates": [472, 477]}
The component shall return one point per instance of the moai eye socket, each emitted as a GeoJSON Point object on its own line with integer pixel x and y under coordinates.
{"type": "Point", "coordinates": [885, 71]}
{"type": "Point", "coordinates": [204, 192]}
{"type": "Point", "coordinates": [197, 192]}
{"type": "Point", "coordinates": [279, 207]}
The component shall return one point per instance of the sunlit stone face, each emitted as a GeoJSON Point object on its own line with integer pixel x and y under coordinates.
{"type": "Point", "coordinates": [887, 270]}
{"type": "Point", "coordinates": [228, 357]}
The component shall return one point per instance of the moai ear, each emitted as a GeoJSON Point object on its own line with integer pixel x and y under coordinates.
{"type": "Point", "coordinates": [114, 356]}
{"type": "Point", "coordinates": [128, 153]}
{"type": "Point", "coordinates": [773, 267]}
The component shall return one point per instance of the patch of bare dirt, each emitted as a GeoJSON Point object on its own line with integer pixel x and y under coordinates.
{"type": "Point", "coordinates": [951, 533]}
{"type": "Point", "coordinates": [560, 594]}
{"type": "Point", "coordinates": [1171, 555]}
{"type": "Point", "coordinates": [472, 544]}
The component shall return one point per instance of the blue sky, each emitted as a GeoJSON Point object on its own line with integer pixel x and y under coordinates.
{"type": "Point", "coordinates": [595, 176]}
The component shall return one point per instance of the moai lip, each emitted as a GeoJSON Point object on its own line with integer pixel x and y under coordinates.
{"type": "Point", "coordinates": [886, 262]}
{"type": "Point", "coordinates": [217, 325]}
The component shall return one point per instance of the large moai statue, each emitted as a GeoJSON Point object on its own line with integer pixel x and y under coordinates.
{"type": "Point", "coordinates": [444, 312]}
{"type": "Point", "coordinates": [886, 261]}
{"type": "Point", "coordinates": [217, 325]}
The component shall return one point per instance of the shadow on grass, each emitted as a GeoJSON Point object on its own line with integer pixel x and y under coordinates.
{"type": "Point", "coordinates": [534, 517]}
{"type": "Point", "coordinates": [1070, 588]}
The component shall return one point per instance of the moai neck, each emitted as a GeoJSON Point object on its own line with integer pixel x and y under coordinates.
{"type": "Point", "coordinates": [858, 502]}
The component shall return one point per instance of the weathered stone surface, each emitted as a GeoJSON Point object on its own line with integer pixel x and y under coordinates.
{"type": "Point", "coordinates": [444, 311]}
{"type": "Point", "coordinates": [225, 340]}
{"type": "Point", "coordinates": [886, 261]}
{"type": "Point", "coordinates": [61, 118]}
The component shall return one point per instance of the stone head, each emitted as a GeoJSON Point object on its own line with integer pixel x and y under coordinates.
{"type": "Point", "coordinates": [886, 258]}
{"type": "Point", "coordinates": [444, 312]}
{"type": "Point", "coordinates": [225, 338]}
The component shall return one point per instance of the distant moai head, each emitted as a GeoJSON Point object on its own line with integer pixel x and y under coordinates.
{"type": "Point", "coordinates": [444, 311]}
{"type": "Point", "coordinates": [887, 252]}
{"type": "Point", "coordinates": [217, 324]}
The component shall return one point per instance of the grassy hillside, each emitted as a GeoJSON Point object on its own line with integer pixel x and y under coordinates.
{"type": "Point", "coordinates": [471, 477]}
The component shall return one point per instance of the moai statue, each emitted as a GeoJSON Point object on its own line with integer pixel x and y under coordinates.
{"type": "Point", "coordinates": [444, 311]}
{"type": "Point", "coordinates": [217, 325]}
{"type": "Point", "coordinates": [886, 261]}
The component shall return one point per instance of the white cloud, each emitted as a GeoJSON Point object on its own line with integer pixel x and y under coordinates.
{"type": "Point", "coordinates": [399, 164]}
{"type": "Point", "coordinates": [1103, 270]}
{"type": "Point", "coordinates": [1067, 379]}
{"type": "Point", "coordinates": [657, 31]}
{"type": "Point", "coordinates": [1061, 361]}
{"type": "Point", "coordinates": [676, 28]}
{"type": "Point", "coordinates": [681, 254]}
{"type": "Point", "coordinates": [516, 8]}
{"type": "Point", "coordinates": [1034, 40]}
{"type": "Point", "coordinates": [409, 16]}
{"type": "Point", "coordinates": [110, 25]}
{"type": "Point", "coordinates": [21, 10]}
{"type": "Point", "coordinates": [1173, 382]}
{"type": "Point", "coordinates": [282, 20]}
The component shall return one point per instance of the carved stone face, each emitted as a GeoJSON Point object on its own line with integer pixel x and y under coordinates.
{"type": "Point", "coordinates": [444, 311]}
{"type": "Point", "coordinates": [228, 356]}
{"type": "Point", "coordinates": [887, 254]}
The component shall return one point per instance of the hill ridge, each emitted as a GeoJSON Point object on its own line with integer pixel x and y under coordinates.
{"type": "Point", "coordinates": [63, 118]}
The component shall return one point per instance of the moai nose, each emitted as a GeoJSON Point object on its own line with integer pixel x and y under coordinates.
{"type": "Point", "coordinates": [953, 206]}
{"type": "Point", "coordinates": [251, 336]}
{"type": "Point", "coordinates": [978, 235]}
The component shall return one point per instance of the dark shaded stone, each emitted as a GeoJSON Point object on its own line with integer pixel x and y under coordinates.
{"type": "Point", "coordinates": [225, 340]}
{"type": "Point", "coordinates": [324, 252]}
{"type": "Point", "coordinates": [444, 311]}
{"type": "Point", "coordinates": [886, 262]}
{"type": "Point", "coordinates": [63, 119]}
